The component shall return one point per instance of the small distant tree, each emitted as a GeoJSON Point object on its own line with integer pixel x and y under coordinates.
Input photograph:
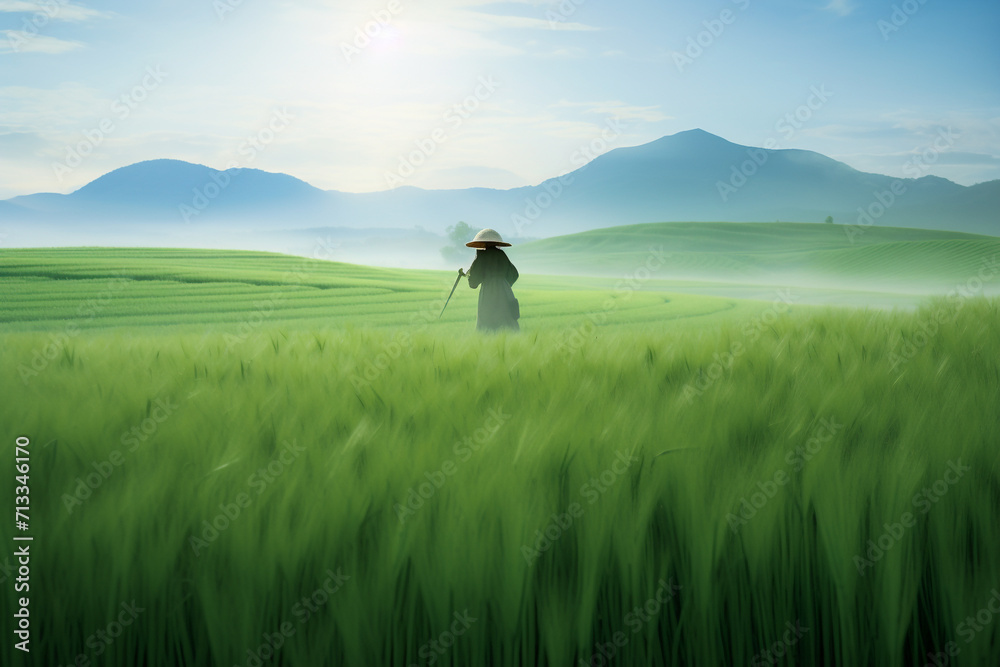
{"type": "Point", "coordinates": [458, 235]}
{"type": "Point", "coordinates": [829, 220]}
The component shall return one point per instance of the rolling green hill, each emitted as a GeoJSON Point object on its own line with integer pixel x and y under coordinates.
{"type": "Point", "coordinates": [240, 291]}
{"type": "Point", "coordinates": [888, 257]}
{"type": "Point", "coordinates": [653, 273]}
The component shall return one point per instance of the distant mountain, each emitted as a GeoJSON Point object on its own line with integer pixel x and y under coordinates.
{"type": "Point", "coordinates": [688, 176]}
{"type": "Point", "coordinates": [697, 176]}
{"type": "Point", "coordinates": [172, 190]}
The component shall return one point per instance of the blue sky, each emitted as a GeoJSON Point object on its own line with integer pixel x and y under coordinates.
{"type": "Point", "coordinates": [288, 86]}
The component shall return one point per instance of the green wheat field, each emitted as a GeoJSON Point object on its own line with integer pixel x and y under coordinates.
{"type": "Point", "coordinates": [243, 458]}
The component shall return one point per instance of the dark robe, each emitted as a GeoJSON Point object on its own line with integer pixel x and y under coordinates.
{"type": "Point", "coordinates": [497, 306]}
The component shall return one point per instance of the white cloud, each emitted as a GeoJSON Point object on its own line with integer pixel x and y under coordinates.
{"type": "Point", "coordinates": [841, 7]}
{"type": "Point", "coordinates": [967, 144]}
{"type": "Point", "coordinates": [56, 11]}
{"type": "Point", "coordinates": [619, 109]}
{"type": "Point", "coordinates": [51, 112]}
{"type": "Point", "coordinates": [18, 41]}
{"type": "Point", "coordinates": [528, 23]}
{"type": "Point", "coordinates": [453, 28]}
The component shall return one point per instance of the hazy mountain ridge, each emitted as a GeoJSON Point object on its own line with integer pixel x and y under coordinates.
{"type": "Point", "coordinates": [689, 176]}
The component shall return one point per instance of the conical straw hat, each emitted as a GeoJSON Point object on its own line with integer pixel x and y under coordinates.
{"type": "Point", "coordinates": [487, 237]}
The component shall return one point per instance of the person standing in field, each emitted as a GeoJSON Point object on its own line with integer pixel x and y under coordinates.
{"type": "Point", "coordinates": [494, 274]}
